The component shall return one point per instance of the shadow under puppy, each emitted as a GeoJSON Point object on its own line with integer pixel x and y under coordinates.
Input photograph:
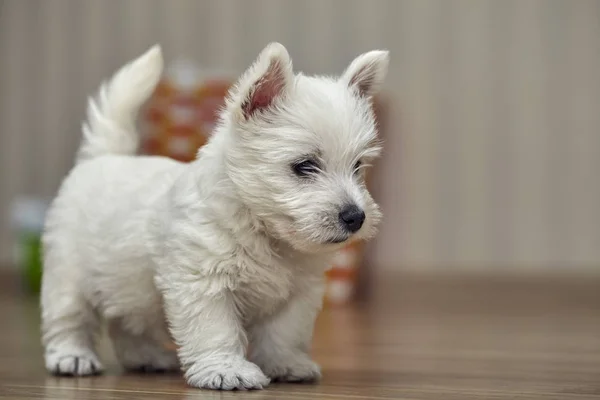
{"type": "Point", "coordinates": [223, 254]}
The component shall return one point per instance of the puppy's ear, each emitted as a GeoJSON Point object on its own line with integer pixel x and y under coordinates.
{"type": "Point", "coordinates": [265, 83]}
{"type": "Point", "coordinates": [367, 72]}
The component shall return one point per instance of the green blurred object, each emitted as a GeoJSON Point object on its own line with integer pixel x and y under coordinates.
{"type": "Point", "coordinates": [28, 215]}
{"type": "Point", "coordinates": [31, 259]}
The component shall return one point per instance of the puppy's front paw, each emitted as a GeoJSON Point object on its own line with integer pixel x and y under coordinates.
{"type": "Point", "coordinates": [72, 363]}
{"type": "Point", "coordinates": [238, 375]}
{"type": "Point", "coordinates": [300, 369]}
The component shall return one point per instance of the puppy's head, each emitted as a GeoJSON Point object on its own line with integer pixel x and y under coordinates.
{"type": "Point", "coordinates": [298, 147]}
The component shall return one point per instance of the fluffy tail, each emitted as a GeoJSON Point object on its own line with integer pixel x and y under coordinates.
{"type": "Point", "coordinates": [111, 115]}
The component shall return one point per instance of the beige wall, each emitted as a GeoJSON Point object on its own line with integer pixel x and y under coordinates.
{"type": "Point", "coordinates": [493, 155]}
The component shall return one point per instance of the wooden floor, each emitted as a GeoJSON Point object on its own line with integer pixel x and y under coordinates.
{"type": "Point", "coordinates": [420, 338]}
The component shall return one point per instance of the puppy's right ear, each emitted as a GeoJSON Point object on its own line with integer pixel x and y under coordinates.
{"type": "Point", "coordinates": [264, 84]}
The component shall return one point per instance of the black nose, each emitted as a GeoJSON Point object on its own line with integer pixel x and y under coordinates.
{"type": "Point", "coordinates": [352, 217]}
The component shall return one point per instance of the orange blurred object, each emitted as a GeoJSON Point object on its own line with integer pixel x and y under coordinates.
{"type": "Point", "coordinates": [182, 113]}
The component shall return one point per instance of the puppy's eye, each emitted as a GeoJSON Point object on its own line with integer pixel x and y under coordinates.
{"type": "Point", "coordinates": [305, 168]}
{"type": "Point", "coordinates": [357, 166]}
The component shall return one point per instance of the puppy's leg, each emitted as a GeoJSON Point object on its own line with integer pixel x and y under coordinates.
{"type": "Point", "coordinates": [69, 327]}
{"type": "Point", "coordinates": [280, 345]}
{"type": "Point", "coordinates": [144, 352]}
{"type": "Point", "coordinates": [211, 341]}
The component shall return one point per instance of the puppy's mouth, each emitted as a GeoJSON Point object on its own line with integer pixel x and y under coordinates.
{"type": "Point", "coordinates": [337, 240]}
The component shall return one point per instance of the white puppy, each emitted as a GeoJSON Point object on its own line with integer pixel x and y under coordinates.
{"type": "Point", "coordinates": [226, 255]}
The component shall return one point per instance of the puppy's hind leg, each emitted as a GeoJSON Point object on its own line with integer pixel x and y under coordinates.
{"type": "Point", "coordinates": [69, 328]}
{"type": "Point", "coordinates": [142, 352]}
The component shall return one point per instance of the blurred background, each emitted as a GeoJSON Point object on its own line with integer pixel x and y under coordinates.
{"type": "Point", "coordinates": [491, 110]}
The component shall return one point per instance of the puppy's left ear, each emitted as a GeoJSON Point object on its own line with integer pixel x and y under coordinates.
{"type": "Point", "coordinates": [367, 72]}
{"type": "Point", "coordinates": [265, 83]}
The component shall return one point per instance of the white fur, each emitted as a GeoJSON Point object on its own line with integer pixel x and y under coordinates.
{"type": "Point", "coordinates": [229, 249]}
